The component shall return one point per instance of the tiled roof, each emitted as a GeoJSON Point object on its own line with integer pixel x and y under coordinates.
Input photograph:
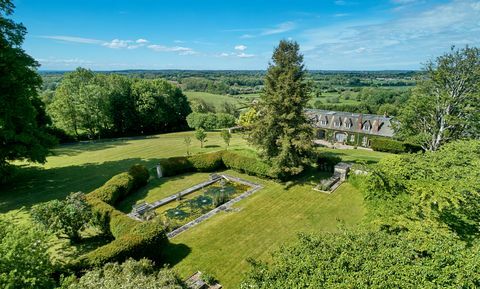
{"type": "Point", "coordinates": [351, 122]}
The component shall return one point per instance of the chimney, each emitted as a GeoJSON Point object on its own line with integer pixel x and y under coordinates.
{"type": "Point", "coordinates": [360, 121]}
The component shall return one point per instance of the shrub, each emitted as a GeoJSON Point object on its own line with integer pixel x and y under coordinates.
{"type": "Point", "coordinates": [67, 216]}
{"type": "Point", "coordinates": [144, 240]}
{"type": "Point", "coordinates": [247, 165]}
{"type": "Point", "coordinates": [176, 165]}
{"type": "Point", "coordinates": [387, 145]}
{"type": "Point", "coordinates": [207, 162]}
{"type": "Point", "coordinates": [117, 187]}
{"type": "Point", "coordinates": [140, 175]}
{"type": "Point", "coordinates": [129, 275]}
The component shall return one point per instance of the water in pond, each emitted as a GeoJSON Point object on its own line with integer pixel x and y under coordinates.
{"type": "Point", "coordinates": [198, 204]}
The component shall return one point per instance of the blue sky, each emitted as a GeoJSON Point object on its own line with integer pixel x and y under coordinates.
{"type": "Point", "coordinates": [195, 34]}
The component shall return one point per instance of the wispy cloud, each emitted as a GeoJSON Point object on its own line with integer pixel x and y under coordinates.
{"type": "Point", "coordinates": [280, 28]}
{"type": "Point", "coordinates": [73, 39]}
{"type": "Point", "coordinates": [240, 47]}
{"type": "Point", "coordinates": [181, 50]}
{"type": "Point", "coordinates": [427, 32]}
{"type": "Point", "coordinates": [245, 55]}
{"type": "Point", "coordinates": [63, 61]}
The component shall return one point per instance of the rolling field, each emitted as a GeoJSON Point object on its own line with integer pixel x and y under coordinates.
{"type": "Point", "coordinates": [216, 99]}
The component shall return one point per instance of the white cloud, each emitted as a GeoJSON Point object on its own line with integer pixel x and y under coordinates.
{"type": "Point", "coordinates": [341, 14]}
{"type": "Point", "coordinates": [280, 28]}
{"type": "Point", "coordinates": [73, 39]}
{"type": "Point", "coordinates": [416, 35]}
{"type": "Point", "coordinates": [142, 41]}
{"type": "Point", "coordinates": [244, 55]}
{"type": "Point", "coordinates": [63, 62]}
{"type": "Point", "coordinates": [181, 50]}
{"type": "Point", "coordinates": [224, 54]}
{"type": "Point", "coordinates": [245, 36]}
{"type": "Point", "coordinates": [117, 43]}
{"type": "Point", "coordinates": [240, 47]}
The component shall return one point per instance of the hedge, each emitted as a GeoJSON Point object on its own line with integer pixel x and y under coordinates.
{"type": "Point", "coordinates": [387, 145]}
{"type": "Point", "coordinates": [131, 238]}
{"type": "Point", "coordinates": [247, 165]}
{"type": "Point", "coordinates": [327, 162]}
{"type": "Point", "coordinates": [144, 240]}
{"type": "Point", "coordinates": [210, 162]}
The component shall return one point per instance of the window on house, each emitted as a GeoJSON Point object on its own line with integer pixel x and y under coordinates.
{"type": "Point", "coordinates": [348, 125]}
{"type": "Point", "coordinates": [336, 124]}
{"type": "Point", "coordinates": [366, 127]}
{"type": "Point", "coordinates": [322, 122]}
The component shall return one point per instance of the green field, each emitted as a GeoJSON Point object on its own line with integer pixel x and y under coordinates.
{"type": "Point", "coordinates": [216, 99]}
{"type": "Point", "coordinates": [221, 245]}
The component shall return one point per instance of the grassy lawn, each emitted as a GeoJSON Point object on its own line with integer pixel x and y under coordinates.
{"type": "Point", "coordinates": [269, 218]}
{"type": "Point", "coordinates": [86, 166]}
{"type": "Point", "coordinates": [221, 245]}
{"type": "Point", "coordinates": [355, 155]}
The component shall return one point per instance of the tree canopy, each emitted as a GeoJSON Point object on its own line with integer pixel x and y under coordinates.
{"type": "Point", "coordinates": [86, 102]}
{"type": "Point", "coordinates": [23, 120]}
{"type": "Point", "coordinates": [281, 129]}
{"type": "Point", "coordinates": [445, 104]}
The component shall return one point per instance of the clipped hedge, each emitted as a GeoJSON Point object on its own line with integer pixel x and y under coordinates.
{"type": "Point", "coordinates": [327, 162]}
{"type": "Point", "coordinates": [115, 188]}
{"type": "Point", "coordinates": [247, 165]}
{"type": "Point", "coordinates": [144, 240]}
{"type": "Point", "coordinates": [387, 145]}
{"type": "Point", "coordinates": [132, 238]}
{"type": "Point", "coordinates": [210, 162]}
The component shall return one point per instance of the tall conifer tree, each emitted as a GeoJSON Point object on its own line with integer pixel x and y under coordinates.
{"type": "Point", "coordinates": [281, 131]}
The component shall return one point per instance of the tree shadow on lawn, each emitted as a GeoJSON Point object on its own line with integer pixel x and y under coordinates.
{"type": "Point", "coordinates": [211, 146]}
{"type": "Point", "coordinates": [72, 149]}
{"type": "Point", "coordinates": [174, 253]}
{"type": "Point", "coordinates": [35, 184]}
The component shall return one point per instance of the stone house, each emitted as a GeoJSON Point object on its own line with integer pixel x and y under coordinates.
{"type": "Point", "coordinates": [349, 128]}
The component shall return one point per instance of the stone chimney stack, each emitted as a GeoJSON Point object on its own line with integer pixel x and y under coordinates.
{"type": "Point", "coordinates": [360, 121]}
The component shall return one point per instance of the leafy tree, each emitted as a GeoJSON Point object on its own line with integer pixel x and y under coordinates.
{"type": "Point", "coordinates": [226, 136]}
{"type": "Point", "coordinates": [248, 118]}
{"type": "Point", "coordinates": [160, 105]}
{"type": "Point", "coordinates": [129, 275]}
{"type": "Point", "coordinates": [22, 117]}
{"type": "Point", "coordinates": [230, 108]}
{"type": "Point", "coordinates": [370, 260]}
{"type": "Point", "coordinates": [224, 120]}
{"type": "Point", "coordinates": [25, 262]}
{"type": "Point", "coordinates": [70, 106]}
{"type": "Point", "coordinates": [201, 135]}
{"type": "Point", "coordinates": [445, 105]}
{"type": "Point", "coordinates": [282, 131]}
{"type": "Point", "coordinates": [187, 141]}
{"type": "Point", "coordinates": [121, 108]}
{"type": "Point", "coordinates": [201, 106]}
{"type": "Point", "coordinates": [67, 216]}
{"type": "Point", "coordinates": [437, 188]}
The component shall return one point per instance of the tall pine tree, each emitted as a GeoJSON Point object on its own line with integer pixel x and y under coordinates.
{"type": "Point", "coordinates": [281, 130]}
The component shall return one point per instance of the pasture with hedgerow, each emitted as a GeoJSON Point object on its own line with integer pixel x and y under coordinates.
{"type": "Point", "coordinates": [309, 147]}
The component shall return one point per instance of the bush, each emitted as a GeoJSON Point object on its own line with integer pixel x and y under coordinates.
{"type": "Point", "coordinates": [118, 186]}
{"type": "Point", "coordinates": [121, 185]}
{"type": "Point", "coordinates": [67, 216]}
{"type": "Point", "coordinates": [176, 165]}
{"type": "Point", "coordinates": [144, 240]}
{"type": "Point", "coordinates": [387, 145]}
{"type": "Point", "coordinates": [207, 162]}
{"type": "Point", "coordinates": [247, 165]}
{"type": "Point", "coordinates": [140, 175]}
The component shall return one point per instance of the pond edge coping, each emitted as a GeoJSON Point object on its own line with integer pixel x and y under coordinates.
{"type": "Point", "coordinates": [254, 188]}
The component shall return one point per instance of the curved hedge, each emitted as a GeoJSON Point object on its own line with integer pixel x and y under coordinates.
{"type": "Point", "coordinates": [132, 238]}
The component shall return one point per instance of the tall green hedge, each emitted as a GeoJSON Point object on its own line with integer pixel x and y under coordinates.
{"type": "Point", "coordinates": [131, 238]}
{"type": "Point", "coordinates": [387, 145]}
{"type": "Point", "coordinates": [210, 162]}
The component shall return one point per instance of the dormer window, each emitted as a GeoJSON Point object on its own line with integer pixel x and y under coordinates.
{"type": "Point", "coordinates": [366, 127]}
{"type": "Point", "coordinates": [337, 124]}
{"type": "Point", "coordinates": [348, 125]}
